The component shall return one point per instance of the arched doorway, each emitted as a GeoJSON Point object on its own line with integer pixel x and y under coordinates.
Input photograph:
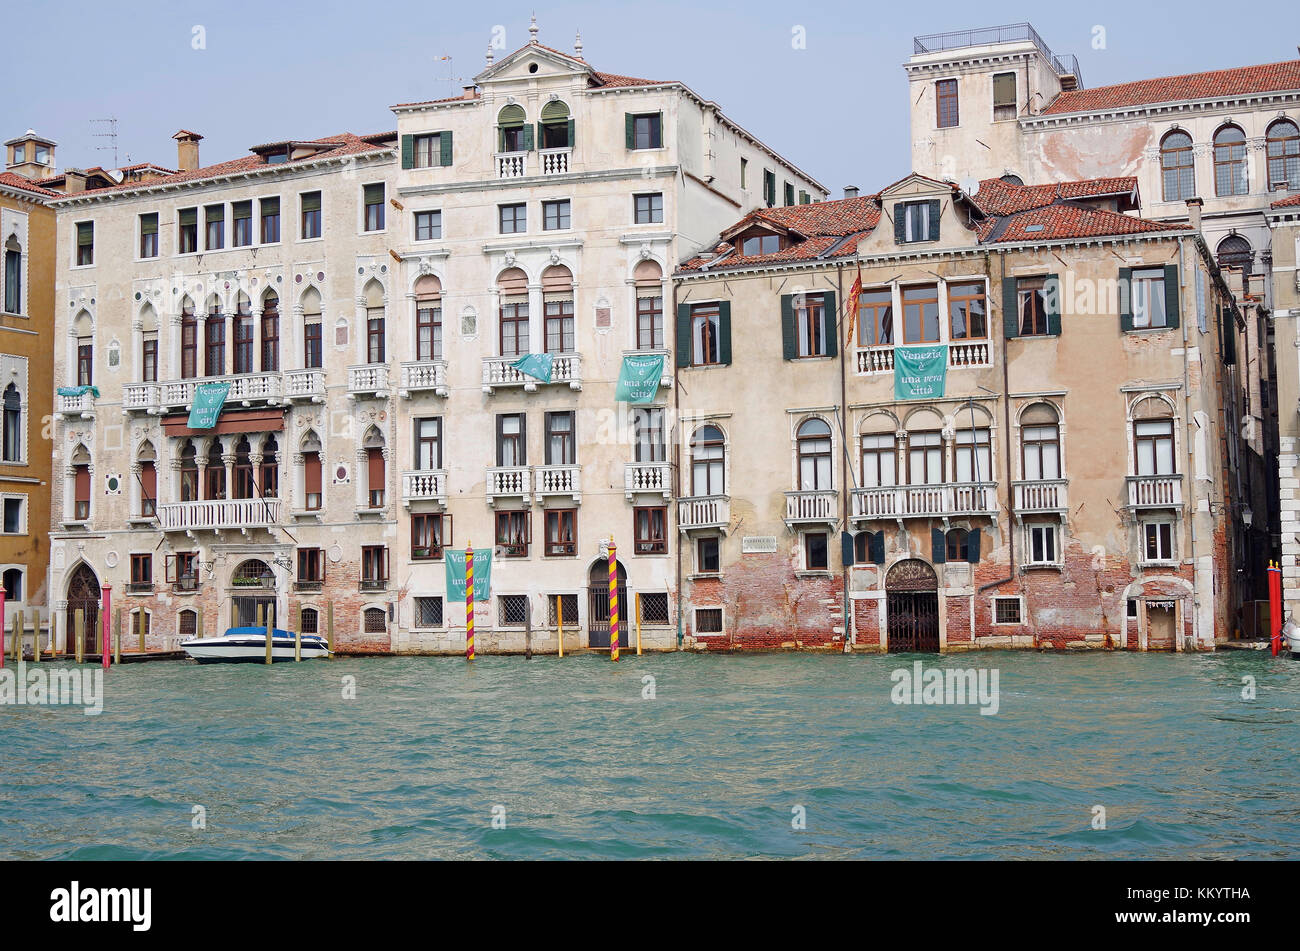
{"type": "Point", "coordinates": [253, 587]}
{"type": "Point", "coordinates": [912, 608]}
{"type": "Point", "coordinates": [83, 595]}
{"type": "Point", "coordinates": [598, 604]}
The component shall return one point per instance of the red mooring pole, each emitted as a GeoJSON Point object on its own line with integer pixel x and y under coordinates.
{"type": "Point", "coordinates": [104, 613]}
{"type": "Point", "coordinates": [1275, 605]}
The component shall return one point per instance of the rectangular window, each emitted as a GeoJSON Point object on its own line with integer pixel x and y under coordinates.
{"type": "Point", "coordinates": [514, 532]}
{"type": "Point", "coordinates": [876, 318]}
{"type": "Point", "coordinates": [1159, 541]}
{"type": "Point", "coordinates": [559, 326]}
{"type": "Point", "coordinates": [513, 219]}
{"type": "Point", "coordinates": [514, 328]}
{"type": "Point", "coordinates": [376, 337]}
{"type": "Point", "coordinates": [760, 244]}
{"type": "Point", "coordinates": [1042, 545]}
{"type": "Point", "coordinates": [789, 194]}
{"type": "Point", "coordinates": [1155, 446]}
{"type": "Point", "coordinates": [13, 516]}
{"type": "Point", "coordinates": [428, 331]}
{"type": "Point", "coordinates": [816, 551]}
{"type": "Point", "coordinates": [555, 216]}
{"type": "Point", "coordinates": [705, 334]}
{"type": "Point", "coordinates": [650, 323]}
{"type": "Point", "coordinates": [270, 338]}
{"type": "Point", "coordinates": [214, 219]}
{"type": "Point", "coordinates": [428, 225]}
{"type": "Point", "coordinates": [426, 151]}
{"type": "Point", "coordinates": [945, 94]}
{"type": "Point", "coordinates": [373, 195]}
{"type": "Point", "coordinates": [149, 360]}
{"type": "Point", "coordinates": [311, 475]}
{"type": "Point", "coordinates": [708, 621]}
{"type": "Point", "coordinates": [925, 458]}
{"type": "Point", "coordinates": [654, 608]}
{"type": "Point", "coordinates": [646, 131]}
{"type": "Point", "coordinates": [562, 607]}
{"type": "Point", "coordinates": [241, 215]}
{"type": "Point", "coordinates": [650, 529]}
{"type": "Point", "coordinates": [377, 478]}
{"type": "Point", "coordinates": [972, 456]}
{"type": "Point", "coordinates": [1004, 96]}
{"type": "Point", "coordinates": [879, 460]}
{"type": "Point", "coordinates": [512, 610]}
{"type": "Point", "coordinates": [149, 235]}
{"type": "Point", "coordinates": [81, 493]}
{"type": "Point", "coordinates": [967, 311]}
{"type": "Point", "coordinates": [1147, 289]}
{"type": "Point", "coordinates": [374, 566]}
{"type": "Point", "coordinates": [312, 346]}
{"type": "Point", "coordinates": [270, 208]}
{"type": "Point", "coordinates": [85, 362]}
{"type": "Point", "coordinates": [243, 343]}
{"type": "Point", "coordinates": [707, 561]}
{"type": "Point", "coordinates": [918, 223]}
{"type": "Point", "coordinates": [744, 173]}
{"type": "Point", "coordinates": [428, 443]}
{"type": "Point", "coordinates": [921, 314]}
{"type": "Point", "coordinates": [311, 219]}
{"type": "Point", "coordinates": [1031, 294]}
{"type": "Point", "coordinates": [1006, 611]}
{"type": "Point", "coordinates": [187, 237]}
{"type": "Point", "coordinates": [187, 570]}
{"type": "Point", "coordinates": [427, 535]}
{"type": "Point", "coordinates": [561, 535]}
{"type": "Point", "coordinates": [512, 443]}
{"type": "Point", "coordinates": [561, 441]}
{"type": "Point", "coordinates": [648, 208]}
{"type": "Point", "coordinates": [148, 488]}
{"type": "Point", "coordinates": [142, 570]}
{"type": "Point", "coordinates": [428, 612]}
{"type": "Point", "coordinates": [811, 325]}
{"type": "Point", "coordinates": [311, 567]}
{"type": "Point", "coordinates": [648, 434]}
{"type": "Point", "coordinates": [769, 187]}
{"type": "Point", "coordinates": [85, 243]}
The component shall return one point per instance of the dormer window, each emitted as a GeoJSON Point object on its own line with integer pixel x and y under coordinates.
{"type": "Point", "coordinates": [42, 155]}
{"type": "Point", "coordinates": [916, 221]}
{"type": "Point", "coordinates": [760, 244]}
{"type": "Point", "coordinates": [277, 158]}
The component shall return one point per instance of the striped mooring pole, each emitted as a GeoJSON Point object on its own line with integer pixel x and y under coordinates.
{"type": "Point", "coordinates": [613, 599]}
{"type": "Point", "coordinates": [469, 602]}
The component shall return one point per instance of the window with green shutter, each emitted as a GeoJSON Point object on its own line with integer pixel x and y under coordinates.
{"type": "Point", "coordinates": [704, 334]}
{"type": "Point", "coordinates": [769, 187]}
{"type": "Point", "coordinates": [374, 206]}
{"type": "Point", "coordinates": [311, 215]}
{"type": "Point", "coordinates": [789, 194]}
{"type": "Point", "coordinates": [808, 325]}
{"type": "Point", "coordinates": [149, 235]}
{"type": "Point", "coordinates": [85, 242]}
{"type": "Point", "coordinates": [644, 130]}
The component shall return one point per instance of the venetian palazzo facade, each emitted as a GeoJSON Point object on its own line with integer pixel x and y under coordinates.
{"type": "Point", "coordinates": [1284, 222]}
{"type": "Point", "coordinates": [998, 101]}
{"type": "Point", "coordinates": [1055, 473]}
{"type": "Point", "coordinates": [366, 297]}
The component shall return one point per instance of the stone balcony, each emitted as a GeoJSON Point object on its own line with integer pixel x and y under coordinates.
{"type": "Point", "coordinates": [424, 485]}
{"type": "Point", "coordinates": [649, 477]}
{"type": "Point", "coordinates": [943, 500]}
{"type": "Point", "coordinates": [961, 353]}
{"type": "Point", "coordinates": [565, 480]}
{"type": "Point", "coordinates": [505, 482]}
{"type": "Point", "coordinates": [81, 405]}
{"type": "Point", "coordinates": [812, 507]}
{"type": "Point", "coordinates": [554, 161]}
{"type": "Point", "coordinates": [1041, 496]}
{"type": "Point", "coordinates": [1155, 491]}
{"type": "Point", "coordinates": [704, 512]}
{"type": "Point", "coordinates": [423, 376]}
{"type": "Point", "coordinates": [511, 164]}
{"type": "Point", "coordinates": [219, 515]}
{"type": "Point", "coordinates": [306, 385]}
{"type": "Point", "coordinates": [246, 389]}
{"type": "Point", "coordinates": [368, 379]}
{"type": "Point", "coordinates": [497, 372]}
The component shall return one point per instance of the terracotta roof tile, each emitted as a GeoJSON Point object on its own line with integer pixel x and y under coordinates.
{"type": "Point", "coordinates": [1292, 202]}
{"type": "Point", "coordinates": [1055, 222]}
{"type": "Point", "coordinates": [1220, 82]}
{"type": "Point", "coordinates": [996, 197]}
{"type": "Point", "coordinates": [26, 184]}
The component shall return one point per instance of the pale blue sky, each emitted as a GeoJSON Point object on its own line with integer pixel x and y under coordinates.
{"type": "Point", "coordinates": [276, 70]}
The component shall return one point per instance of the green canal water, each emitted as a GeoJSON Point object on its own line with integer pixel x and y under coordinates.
{"type": "Point", "coordinates": [729, 751]}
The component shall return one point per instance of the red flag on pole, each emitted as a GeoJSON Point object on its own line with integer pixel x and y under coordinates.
{"type": "Point", "coordinates": [852, 304]}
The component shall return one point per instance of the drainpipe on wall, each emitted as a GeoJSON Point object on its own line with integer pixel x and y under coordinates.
{"type": "Point", "coordinates": [1006, 439]}
{"type": "Point", "coordinates": [677, 487]}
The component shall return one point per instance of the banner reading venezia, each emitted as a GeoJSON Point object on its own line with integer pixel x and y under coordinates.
{"type": "Point", "coordinates": [209, 398]}
{"type": "Point", "coordinates": [920, 372]}
{"type": "Point", "coordinates": [638, 381]}
{"type": "Point", "coordinates": [455, 561]}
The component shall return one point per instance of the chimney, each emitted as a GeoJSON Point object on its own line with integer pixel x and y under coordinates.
{"type": "Point", "coordinates": [467, 92]}
{"type": "Point", "coordinates": [1194, 206]}
{"type": "Point", "coordinates": [74, 181]}
{"type": "Point", "coordinates": [850, 191]}
{"type": "Point", "coordinates": [187, 150]}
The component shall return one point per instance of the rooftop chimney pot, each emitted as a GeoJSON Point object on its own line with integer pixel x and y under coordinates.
{"type": "Point", "coordinates": [850, 191]}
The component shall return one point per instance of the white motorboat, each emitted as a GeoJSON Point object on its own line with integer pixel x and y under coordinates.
{"type": "Point", "coordinates": [1291, 638]}
{"type": "Point", "coordinates": [247, 645]}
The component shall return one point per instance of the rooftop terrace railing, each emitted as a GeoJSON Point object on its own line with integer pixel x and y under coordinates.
{"type": "Point", "coordinates": [1066, 64]}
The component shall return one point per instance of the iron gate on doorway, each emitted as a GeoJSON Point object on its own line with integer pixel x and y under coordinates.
{"type": "Point", "coordinates": [912, 608]}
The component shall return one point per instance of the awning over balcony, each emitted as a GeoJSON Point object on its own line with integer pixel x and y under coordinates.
{"type": "Point", "coordinates": [231, 421]}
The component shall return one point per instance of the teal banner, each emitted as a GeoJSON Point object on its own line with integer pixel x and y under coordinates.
{"type": "Point", "coordinates": [638, 380]}
{"type": "Point", "coordinates": [455, 562]}
{"type": "Point", "coordinates": [536, 365]}
{"type": "Point", "coordinates": [920, 372]}
{"type": "Point", "coordinates": [78, 391]}
{"type": "Point", "coordinates": [209, 398]}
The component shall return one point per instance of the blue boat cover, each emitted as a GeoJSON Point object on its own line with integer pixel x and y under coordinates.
{"type": "Point", "coordinates": [261, 631]}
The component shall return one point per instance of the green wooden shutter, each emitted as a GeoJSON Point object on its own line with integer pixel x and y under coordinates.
{"type": "Point", "coordinates": [789, 348]}
{"type": "Point", "coordinates": [973, 546]}
{"type": "Point", "coordinates": [573, 128]}
{"type": "Point", "coordinates": [629, 128]}
{"type": "Point", "coordinates": [1171, 295]}
{"type": "Point", "coordinates": [1228, 333]}
{"type": "Point", "coordinates": [1010, 310]}
{"type": "Point", "coordinates": [683, 335]}
{"type": "Point", "coordinates": [900, 214]}
{"type": "Point", "coordinates": [408, 152]}
{"type": "Point", "coordinates": [528, 137]}
{"type": "Point", "coordinates": [724, 332]}
{"type": "Point", "coordinates": [1052, 297]}
{"type": "Point", "coordinates": [444, 146]}
{"type": "Point", "coordinates": [846, 549]}
{"type": "Point", "coordinates": [876, 543]}
{"type": "Point", "coordinates": [832, 327]}
{"type": "Point", "coordinates": [935, 210]}
{"type": "Point", "coordinates": [1125, 298]}
{"type": "Point", "coordinates": [938, 546]}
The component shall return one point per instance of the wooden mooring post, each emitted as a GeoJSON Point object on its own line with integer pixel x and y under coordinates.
{"type": "Point", "coordinates": [117, 635]}
{"type": "Point", "coordinates": [79, 629]}
{"type": "Point", "coordinates": [269, 639]}
{"type": "Point", "coordinates": [297, 637]}
{"type": "Point", "coordinates": [140, 629]}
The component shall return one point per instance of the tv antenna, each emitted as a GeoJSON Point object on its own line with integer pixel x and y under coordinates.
{"type": "Point", "coordinates": [451, 79]}
{"type": "Point", "coordinates": [105, 129]}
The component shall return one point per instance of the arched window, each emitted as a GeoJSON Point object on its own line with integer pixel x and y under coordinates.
{"type": "Point", "coordinates": [148, 344]}
{"type": "Point", "coordinates": [375, 476]}
{"type": "Point", "coordinates": [708, 457]}
{"type": "Point", "coordinates": [1177, 170]}
{"type": "Point", "coordinates": [1283, 151]}
{"type": "Point", "coordinates": [13, 425]}
{"type": "Point", "coordinates": [1153, 438]}
{"type": "Point", "coordinates": [649, 278]}
{"type": "Point", "coordinates": [13, 276]}
{"type": "Point", "coordinates": [1235, 251]}
{"type": "Point", "coordinates": [376, 621]}
{"type": "Point", "coordinates": [243, 470]}
{"type": "Point", "coordinates": [81, 484]}
{"type": "Point", "coordinates": [270, 483]}
{"type": "Point", "coordinates": [270, 332]}
{"type": "Point", "coordinates": [189, 472]}
{"type": "Point", "coordinates": [557, 126]}
{"type": "Point", "coordinates": [376, 333]}
{"type": "Point", "coordinates": [955, 543]}
{"type": "Point", "coordinates": [814, 446]}
{"type": "Point", "coordinates": [189, 341]}
{"type": "Point", "coordinates": [557, 303]}
{"type": "Point", "coordinates": [311, 471]}
{"type": "Point", "coordinates": [216, 488]}
{"type": "Point", "coordinates": [214, 363]}
{"type": "Point", "coordinates": [1230, 161]}
{"type": "Point", "coordinates": [1040, 440]}
{"type": "Point", "coordinates": [310, 621]}
{"type": "Point", "coordinates": [13, 585]}
{"type": "Point", "coordinates": [428, 318]}
{"type": "Point", "coordinates": [514, 133]}
{"type": "Point", "coordinates": [147, 459]}
{"type": "Point", "coordinates": [243, 335]}
{"type": "Point", "coordinates": [187, 624]}
{"type": "Point", "coordinates": [253, 573]}
{"type": "Point", "coordinates": [972, 456]}
{"type": "Point", "coordinates": [512, 285]}
{"type": "Point", "coordinates": [925, 458]}
{"type": "Point", "coordinates": [313, 344]}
